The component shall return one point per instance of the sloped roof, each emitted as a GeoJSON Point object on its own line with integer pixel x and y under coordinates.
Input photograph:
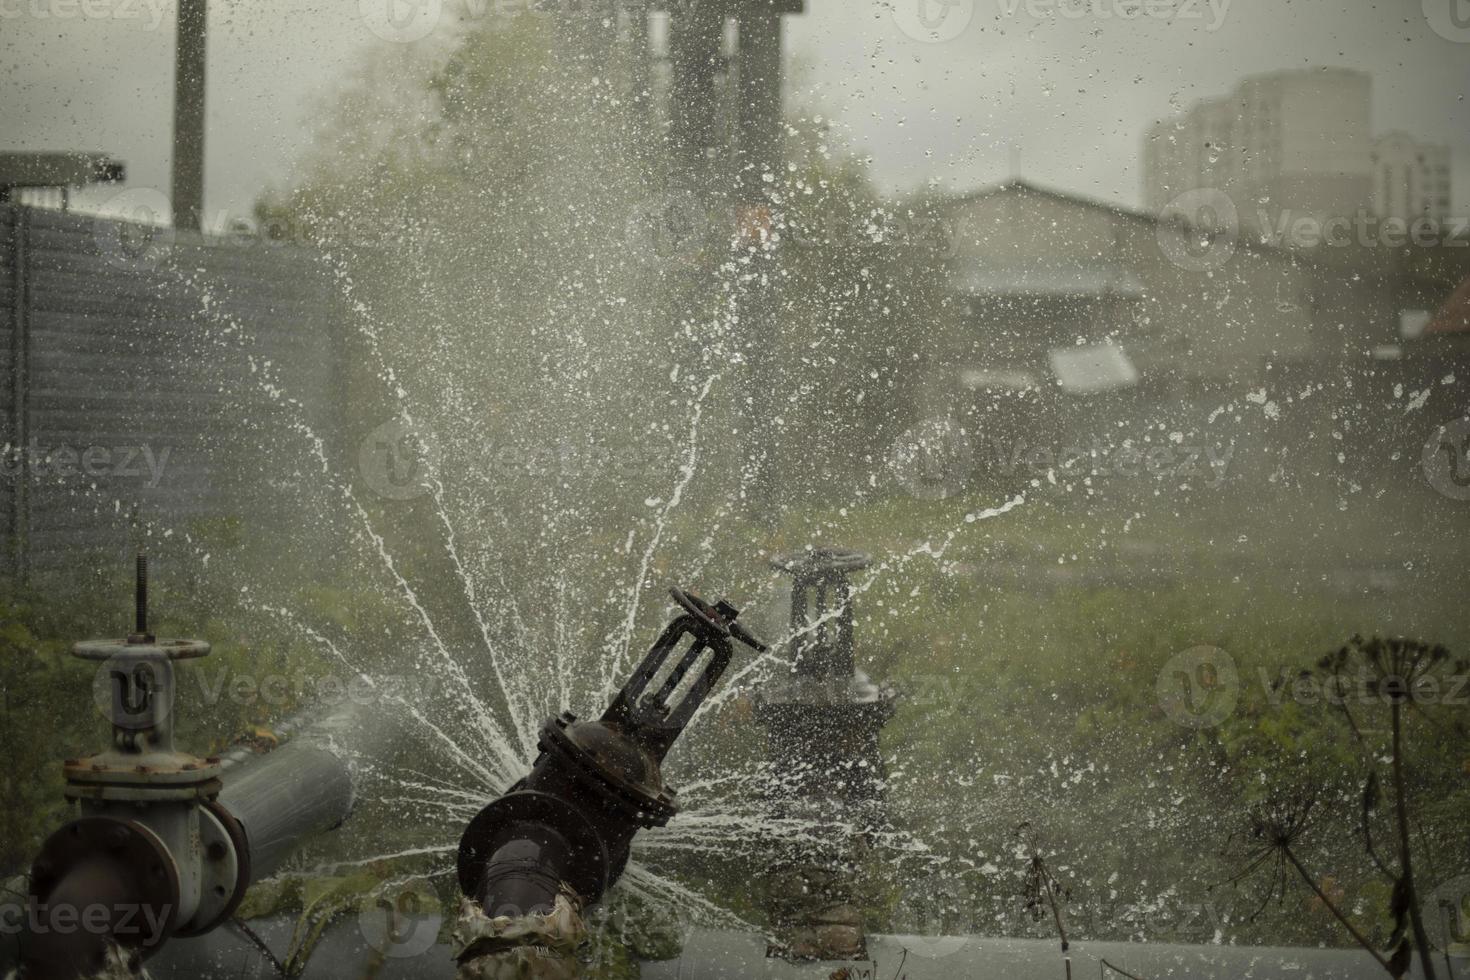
{"type": "Point", "coordinates": [1242, 242]}
{"type": "Point", "coordinates": [1016, 184]}
{"type": "Point", "coordinates": [1062, 277]}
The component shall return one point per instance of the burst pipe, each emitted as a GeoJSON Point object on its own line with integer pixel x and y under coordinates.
{"type": "Point", "coordinates": [555, 843]}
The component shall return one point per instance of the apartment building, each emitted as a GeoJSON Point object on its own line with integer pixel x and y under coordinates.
{"type": "Point", "coordinates": [1283, 145]}
{"type": "Point", "coordinates": [1411, 180]}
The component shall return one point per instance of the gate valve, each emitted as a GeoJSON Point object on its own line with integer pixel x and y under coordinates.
{"type": "Point", "coordinates": [152, 845]}
{"type": "Point", "coordinates": [594, 784]}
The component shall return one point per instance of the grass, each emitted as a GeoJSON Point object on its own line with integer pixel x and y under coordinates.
{"type": "Point", "coordinates": [1031, 658]}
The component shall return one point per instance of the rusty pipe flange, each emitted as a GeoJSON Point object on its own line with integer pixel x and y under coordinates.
{"type": "Point", "coordinates": [510, 816]}
{"type": "Point", "coordinates": [152, 880]}
{"type": "Point", "coordinates": [225, 844]}
{"type": "Point", "coordinates": [817, 561]}
{"type": "Point", "coordinates": [114, 777]}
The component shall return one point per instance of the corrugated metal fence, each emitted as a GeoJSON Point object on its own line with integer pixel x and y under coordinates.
{"type": "Point", "coordinates": [145, 372]}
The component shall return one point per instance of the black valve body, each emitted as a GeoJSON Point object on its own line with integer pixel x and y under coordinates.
{"type": "Point", "coordinates": [571, 821]}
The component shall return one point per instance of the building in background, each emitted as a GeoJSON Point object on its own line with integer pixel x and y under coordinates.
{"type": "Point", "coordinates": [1288, 159]}
{"type": "Point", "coordinates": [1411, 180]}
{"type": "Point", "coordinates": [1045, 283]}
{"type": "Point", "coordinates": [1290, 143]}
{"type": "Point", "coordinates": [47, 179]}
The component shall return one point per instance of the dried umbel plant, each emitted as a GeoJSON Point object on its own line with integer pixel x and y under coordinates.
{"type": "Point", "coordinates": [1413, 679]}
{"type": "Point", "coordinates": [1275, 827]}
{"type": "Point", "coordinates": [1404, 679]}
{"type": "Point", "coordinates": [1402, 674]}
{"type": "Point", "coordinates": [1042, 893]}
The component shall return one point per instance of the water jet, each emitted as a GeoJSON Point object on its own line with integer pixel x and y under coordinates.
{"type": "Point", "coordinates": [560, 837]}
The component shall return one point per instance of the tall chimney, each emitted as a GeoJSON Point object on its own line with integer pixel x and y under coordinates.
{"type": "Point", "coordinates": [189, 77]}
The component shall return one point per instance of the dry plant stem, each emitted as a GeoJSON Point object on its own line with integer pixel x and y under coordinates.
{"type": "Point", "coordinates": [1120, 971]}
{"type": "Point", "coordinates": [1362, 941]}
{"type": "Point", "coordinates": [1056, 916]}
{"type": "Point", "coordinates": [1421, 936]}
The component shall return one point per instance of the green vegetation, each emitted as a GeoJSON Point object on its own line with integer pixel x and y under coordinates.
{"type": "Point", "coordinates": [1033, 694]}
{"type": "Point", "coordinates": [1027, 697]}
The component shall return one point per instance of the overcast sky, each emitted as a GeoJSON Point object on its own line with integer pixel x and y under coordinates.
{"type": "Point", "coordinates": [1065, 87]}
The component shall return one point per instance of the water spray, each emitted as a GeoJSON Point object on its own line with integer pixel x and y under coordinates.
{"type": "Point", "coordinates": [560, 837]}
{"type": "Point", "coordinates": [822, 724]}
{"type": "Point", "coordinates": [825, 717]}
